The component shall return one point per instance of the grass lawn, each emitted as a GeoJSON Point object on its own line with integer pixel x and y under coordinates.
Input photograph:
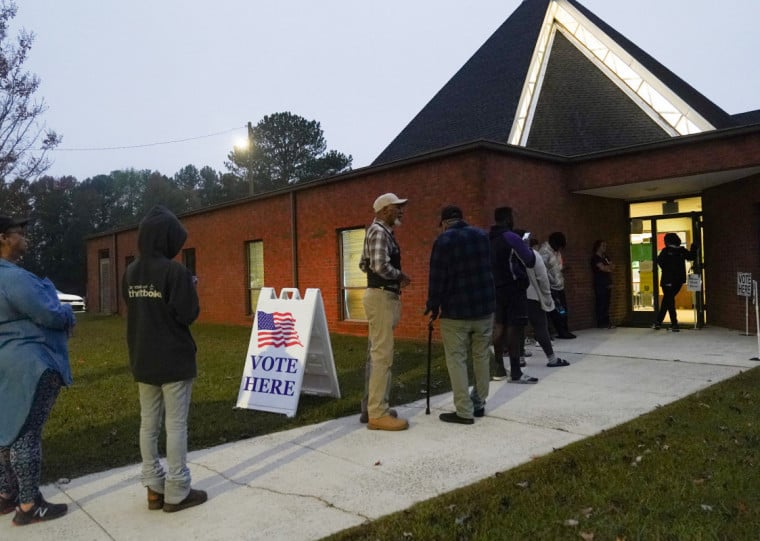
{"type": "Point", "coordinates": [94, 424]}
{"type": "Point", "coordinates": [686, 471]}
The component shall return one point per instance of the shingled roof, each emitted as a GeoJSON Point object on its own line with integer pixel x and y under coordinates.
{"type": "Point", "coordinates": [554, 77]}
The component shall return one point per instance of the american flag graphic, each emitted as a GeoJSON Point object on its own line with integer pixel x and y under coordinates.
{"type": "Point", "coordinates": [277, 329]}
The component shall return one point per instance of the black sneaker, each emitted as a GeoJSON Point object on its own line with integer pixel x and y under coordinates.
{"type": "Point", "coordinates": [40, 511]}
{"type": "Point", "coordinates": [675, 328]}
{"type": "Point", "coordinates": [480, 412]}
{"type": "Point", "coordinates": [195, 497]}
{"type": "Point", "coordinates": [656, 326]}
{"type": "Point", "coordinates": [454, 418]}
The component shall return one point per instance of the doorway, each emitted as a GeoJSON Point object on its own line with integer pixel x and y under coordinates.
{"type": "Point", "coordinates": [650, 222]}
{"type": "Point", "coordinates": [104, 276]}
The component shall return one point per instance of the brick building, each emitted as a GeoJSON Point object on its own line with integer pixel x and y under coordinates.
{"type": "Point", "coordinates": [558, 116]}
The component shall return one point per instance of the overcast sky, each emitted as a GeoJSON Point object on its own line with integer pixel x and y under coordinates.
{"type": "Point", "coordinates": [139, 72]}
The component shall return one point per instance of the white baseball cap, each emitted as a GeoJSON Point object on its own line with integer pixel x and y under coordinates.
{"type": "Point", "coordinates": [387, 199]}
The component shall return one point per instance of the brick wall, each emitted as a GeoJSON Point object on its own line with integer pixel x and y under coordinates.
{"type": "Point", "coordinates": [304, 225]}
{"type": "Point", "coordinates": [732, 244]}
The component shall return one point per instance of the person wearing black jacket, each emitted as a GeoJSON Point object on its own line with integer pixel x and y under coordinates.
{"type": "Point", "coordinates": [162, 303]}
{"type": "Point", "coordinates": [671, 261]}
{"type": "Point", "coordinates": [510, 257]}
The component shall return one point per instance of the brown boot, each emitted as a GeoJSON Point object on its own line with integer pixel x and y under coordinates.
{"type": "Point", "coordinates": [388, 422]}
{"type": "Point", "coordinates": [195, 497]}
{"type": "Point", "coordinates": [155, 500]}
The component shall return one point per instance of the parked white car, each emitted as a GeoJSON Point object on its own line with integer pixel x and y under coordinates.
{"type": "Point", "coordinates": [77, 303]}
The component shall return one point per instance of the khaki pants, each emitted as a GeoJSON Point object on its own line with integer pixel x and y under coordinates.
{"type": "Point", "coordinates": [383, 309]}
{"type": "Point", "coordinates": [460, 338]}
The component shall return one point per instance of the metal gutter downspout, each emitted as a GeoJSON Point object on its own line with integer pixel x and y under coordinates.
{"type": "Point", "coordinates": [294, 237]}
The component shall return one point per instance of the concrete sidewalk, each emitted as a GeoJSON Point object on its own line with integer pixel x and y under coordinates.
{"type": "Point", "coordinates": [316, 480]}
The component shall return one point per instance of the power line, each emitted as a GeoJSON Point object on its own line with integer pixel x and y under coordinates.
{"type": "Point", "coordinates": [173, 141]}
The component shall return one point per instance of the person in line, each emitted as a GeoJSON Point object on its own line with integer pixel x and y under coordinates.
{"type": "Point", "coordinates": [381, 261]}
{"type": "Point", "coordinates": [540, 302]}
{"type": "Point", "coordinates": [510, 258]}
{"type": "Point", "coordinates": [162, 303]}
{"type": "Point", "coordinates": [34, 365]}
{"type": "Point", "coordinates": [551, 252]}
{"type": "Point", "coordinates": [461, 292]}
{"type": "Point", "coordinates": [672, 262]}
{"type": "Point", "coordinates": [602, 268]}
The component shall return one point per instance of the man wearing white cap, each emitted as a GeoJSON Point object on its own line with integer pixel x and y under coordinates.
{"type": "Point", "coordinates": [381, 260]}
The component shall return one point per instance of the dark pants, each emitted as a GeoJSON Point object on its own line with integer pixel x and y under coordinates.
{"type": "Point", "coordinates": [509, 325]}
{"type": "Point", "coordinates": [21, 463]}
{"type": "Point", "coordinates": [538, 320]}
{"type": "Point", "coordinates": [603, 294]}
{"type": "Point", "coordinates": [558, 316]}
{"type": "Point", "coordinates": [669, 292]}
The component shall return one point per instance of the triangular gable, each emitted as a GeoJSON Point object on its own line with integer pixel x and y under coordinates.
{"type": "Point", "coordinates": [661, 103]}
{"type": "Point", "coordinates": [580, 110]}
{"type": "Point", "coordinates": [495, 95]}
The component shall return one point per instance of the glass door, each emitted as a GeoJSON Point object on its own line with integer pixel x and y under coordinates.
{"type": "Point", "coordinates": [647, 236]}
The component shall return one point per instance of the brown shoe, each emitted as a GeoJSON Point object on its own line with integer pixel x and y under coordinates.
{"type": "Point", "coordinates": [196, 497]}
{"type": "Point", "coordinates": [155, 500]}
{"type": "Point", "coordinates": [364, 417]}
{"type": "Point", "coordinates": [388, 422]}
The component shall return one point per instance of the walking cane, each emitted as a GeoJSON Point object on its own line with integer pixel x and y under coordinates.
{"type": "Point", "coordinates": [430, 352]}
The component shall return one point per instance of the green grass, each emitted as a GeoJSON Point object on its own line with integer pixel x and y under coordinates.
{"type": "Point", "coordinates": [94, 424]}
{"type": "Point", "coordinates": [687, 471]}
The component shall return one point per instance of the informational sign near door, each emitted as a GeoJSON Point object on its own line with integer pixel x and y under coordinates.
{"type": "Point", "coordinates": [744, 284]}
{"type": "Point", "coordinates": [744, 289]}
{"type": "Point", "coordinates": [694, 282]}
{"type": "Point", "coordinates": [289, 353]}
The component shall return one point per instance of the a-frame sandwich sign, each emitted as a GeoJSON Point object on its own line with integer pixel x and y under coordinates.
{"type": "Point", "coordinates": [289, 353]}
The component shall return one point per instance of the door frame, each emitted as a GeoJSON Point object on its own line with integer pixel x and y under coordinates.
{"type": "Point", "coordinates": [643, 318]}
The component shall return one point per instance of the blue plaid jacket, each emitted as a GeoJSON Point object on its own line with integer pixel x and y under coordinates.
{"type": "Point", "coordinates": [460, 283]}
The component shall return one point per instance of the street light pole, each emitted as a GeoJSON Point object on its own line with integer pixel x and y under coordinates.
{"type": "Point", "coordinates": [249, 168]}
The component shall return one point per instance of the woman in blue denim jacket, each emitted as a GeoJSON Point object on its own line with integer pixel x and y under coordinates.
{"type": "Point", "coordinates": [34, 365]}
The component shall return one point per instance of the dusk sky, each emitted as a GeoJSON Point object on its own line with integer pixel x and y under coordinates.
{"type": "Point", "coordinates": [143, 72]}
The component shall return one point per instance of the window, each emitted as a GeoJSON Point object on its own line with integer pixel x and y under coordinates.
{"type": "Point", "coordinates": [255, 263]}
{"type": "Point", "coordinates": [353, 280]}
{"type": "Point", "coordinates": [188, 260]}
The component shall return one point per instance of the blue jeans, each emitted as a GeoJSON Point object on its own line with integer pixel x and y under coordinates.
{"type": "Point", "coordinates": [459, 337]}
{"type": "Point", "coordinates": [173, 400]}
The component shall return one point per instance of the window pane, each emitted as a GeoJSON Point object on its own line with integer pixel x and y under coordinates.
{"type": "Point", "coordinates": [352, 244]}
{"type": "Point", "coordinates": [188, 258]}
{"type": "Point", "coordinates": [353, 280]}
{"type": "Point", "coordinates": [255, 257]}
{"type": "Point", "coordinates": [354, 307]}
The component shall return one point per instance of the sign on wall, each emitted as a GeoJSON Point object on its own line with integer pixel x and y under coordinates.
{"type": "Point", "coordinates": [744, 284]}
{"type": "Point", "coordinates": [289, 353]}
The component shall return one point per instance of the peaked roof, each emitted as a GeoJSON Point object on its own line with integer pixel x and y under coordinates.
{"type": "Point", "coordinates": [555, 77]}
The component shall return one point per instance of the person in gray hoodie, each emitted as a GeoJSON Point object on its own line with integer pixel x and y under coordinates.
{"type": "Point", "coordinates": [540, 302]}
{"type": "Point", "coordinates": [162, 303]}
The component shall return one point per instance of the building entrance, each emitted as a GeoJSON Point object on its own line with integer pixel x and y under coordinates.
{"type": "Point", "coordinates": [650, 222]}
